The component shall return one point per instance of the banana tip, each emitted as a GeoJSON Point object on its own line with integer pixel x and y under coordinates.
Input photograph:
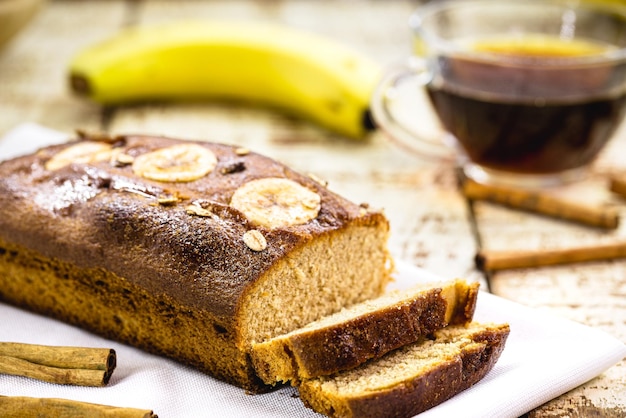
{"type": "Point", "coordinates": [368, 121]}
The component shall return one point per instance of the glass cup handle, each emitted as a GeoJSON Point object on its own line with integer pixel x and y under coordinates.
{"type": "Point", "coordinates": [386, 94]}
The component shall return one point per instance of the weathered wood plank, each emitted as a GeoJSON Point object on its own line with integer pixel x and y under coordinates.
{"type": "Point", "coordinates": [33, 65]}
{"type": "Point", "coordinates": [591, 293]}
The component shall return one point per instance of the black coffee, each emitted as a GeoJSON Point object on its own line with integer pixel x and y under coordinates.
{"type": "Point", "coordinates": [513, 116]}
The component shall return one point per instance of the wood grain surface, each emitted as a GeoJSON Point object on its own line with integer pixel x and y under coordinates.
{"type": "Point", "coordinates": [433, 225]}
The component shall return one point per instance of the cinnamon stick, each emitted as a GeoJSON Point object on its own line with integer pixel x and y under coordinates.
{"type": "Point", "coordinates": [26, 407]}
{"type": "Point", "coordinates": [543, 203]}
{"type": "Point", "coordinates": [83, 366]}
{"type": "Point", "coordinates": [503, 260]}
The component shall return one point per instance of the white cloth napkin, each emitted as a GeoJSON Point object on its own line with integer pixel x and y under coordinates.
{"type": "Point", "coordinates": [544, 357]}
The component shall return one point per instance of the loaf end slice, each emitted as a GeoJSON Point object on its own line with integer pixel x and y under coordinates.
{"type": "Point", "coordinates": [364, 331]}
{"type": "Point", "coordinates": [412, 379]}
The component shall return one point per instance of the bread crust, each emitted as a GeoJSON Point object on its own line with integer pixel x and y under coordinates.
{"type": "Point", "coordinates": [419, 393]}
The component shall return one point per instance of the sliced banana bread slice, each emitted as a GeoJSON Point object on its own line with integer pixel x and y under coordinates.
{"type": "Point", "coordinates": [413, 378]}
{"type": "Point", "coordinates": [364, 331]}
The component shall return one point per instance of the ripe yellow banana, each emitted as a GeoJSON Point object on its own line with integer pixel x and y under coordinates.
{"type": "Point", "coordinates": [304, 74]}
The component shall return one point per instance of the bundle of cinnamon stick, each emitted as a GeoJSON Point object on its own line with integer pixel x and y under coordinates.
{"type": "Point", "coordinates": [81, 366]}
{"type": "Point", "coordinates": [543, 203]}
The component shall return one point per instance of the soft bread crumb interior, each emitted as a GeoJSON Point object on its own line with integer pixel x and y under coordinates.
{"type": "Point", "coordinates": [394, 368]}
{"type": "Point", "coordinates": [336, 270]}
{"type": "Point", "coordinates": [401, 364]}
{"type": "Point", "coordinates": [395, 297]}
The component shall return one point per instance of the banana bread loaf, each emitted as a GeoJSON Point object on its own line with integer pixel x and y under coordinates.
{"type": "Point", "coordinates": [364, 331]}
{"type": "Point", "coordinates": [190, 250]}
{"type": "Point", "coordinates": [413, 378]}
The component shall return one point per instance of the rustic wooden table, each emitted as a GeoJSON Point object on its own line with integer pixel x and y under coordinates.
{"type": "Point", "coordinates": [433, 226]}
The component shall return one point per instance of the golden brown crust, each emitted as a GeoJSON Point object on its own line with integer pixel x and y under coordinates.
{"type": "Point", "coordinates": [99, 215]}
{"type": "Point", "coordinates": [420, 393]}
{"type": "Point", "coordinates": [124, 238]}
{"type": "Point", "coordinates": [109, 305]}
{"type": "Point", "coordinates": [466, 304]}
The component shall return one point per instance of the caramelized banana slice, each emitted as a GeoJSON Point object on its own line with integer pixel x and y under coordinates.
{"type": "Point", "coordinates": [276, 202]}
{"type": "Point", "coordinates": [178, 163]}
{"type": "Point", "coordinates": [81, 153]}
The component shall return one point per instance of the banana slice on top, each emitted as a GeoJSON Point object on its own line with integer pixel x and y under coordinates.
{"type": "Point", "coordinates": [80, 153]}
{"type": "Point", "coordinates": [177, 163]}
{"type": "Point", "coordinates": [276, 202]}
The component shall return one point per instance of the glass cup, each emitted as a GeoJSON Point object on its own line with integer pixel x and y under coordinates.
{"type": "Point", "coordinates": [527, 92]}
